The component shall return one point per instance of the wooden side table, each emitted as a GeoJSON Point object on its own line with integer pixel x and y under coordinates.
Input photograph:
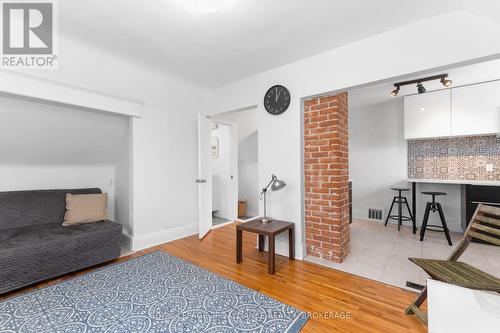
{"type": "Point", "coordinates": [270, 230]}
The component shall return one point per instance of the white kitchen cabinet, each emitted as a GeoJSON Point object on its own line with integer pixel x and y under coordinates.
{"type": "Point", "coordinates": [476, 109]}
{"type": "Point", "coordinates": [427, 115]}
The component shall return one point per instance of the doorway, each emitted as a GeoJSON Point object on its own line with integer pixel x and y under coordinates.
{"type": "Point", "coordinates": [228, 168]}
{"type": "Point", "coordinates": [223, 173]}
{"type": "Point", "coordinates": [247, 162]}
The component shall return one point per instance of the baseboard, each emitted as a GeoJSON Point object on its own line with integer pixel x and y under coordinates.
{"type": "Point", "coordinates": [364, 218]}
{"type": "Point", "coordinates": [126, 241]}
{"type": "Point", "coordinates": [222, 224]}
{"type": "Point", "coordinates": [141, 242]}
{"type": "Point", "coordinates": [451, 224]}
{"type": "Point", "coordinates": [304, 251]}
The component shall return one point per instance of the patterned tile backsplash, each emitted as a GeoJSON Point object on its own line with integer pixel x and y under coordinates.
{"type": "Point", "coordinates": [462, 158]}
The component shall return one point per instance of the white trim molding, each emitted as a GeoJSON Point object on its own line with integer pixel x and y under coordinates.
{"type": "Point", "coordinates": [140, 242]}
{"type": "Point", "coordinates": [26, 86]}
{"type": "Point", "coordinates": [126, 241]}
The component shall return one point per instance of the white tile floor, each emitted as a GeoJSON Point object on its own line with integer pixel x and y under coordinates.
{"type": "Point", "coordinates": [381, 253]}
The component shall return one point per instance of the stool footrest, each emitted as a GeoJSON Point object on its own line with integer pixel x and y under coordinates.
{"type": "Point", "coordinates": [403, 218]}
{"type": "Point", "coordinates": [438, 228]}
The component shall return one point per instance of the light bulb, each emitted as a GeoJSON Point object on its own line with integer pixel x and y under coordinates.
{"type": "Point", "coordinates": [395, 92]}
{"type": "Point", "coordinates": [445, 82]}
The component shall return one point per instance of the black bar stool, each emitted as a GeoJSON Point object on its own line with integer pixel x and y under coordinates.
{"type": "Point", "coordinates": [433, 206]}
{"type": "Point", "coordinates": [400, 200]}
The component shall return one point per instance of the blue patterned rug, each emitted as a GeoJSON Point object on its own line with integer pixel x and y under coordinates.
{"type": "Point", "coordinates": [153, 293]}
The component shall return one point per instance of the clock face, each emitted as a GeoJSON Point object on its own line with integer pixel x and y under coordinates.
{"type": "Point", "coordinates": [277, 100]}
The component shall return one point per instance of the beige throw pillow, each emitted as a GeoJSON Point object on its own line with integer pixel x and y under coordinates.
{"type": "Point", "coordinates": [85, 208]}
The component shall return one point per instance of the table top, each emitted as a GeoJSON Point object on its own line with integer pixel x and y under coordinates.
{"type": "Point", "coordinates": [272, 228]}
{"type": "Point", "coordinates": [457, 182]}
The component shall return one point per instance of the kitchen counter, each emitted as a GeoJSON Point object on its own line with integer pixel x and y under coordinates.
{"type": "Point", "coordinates": [457, 182]}
{"type": "Point", "coordinates": [415, 182]}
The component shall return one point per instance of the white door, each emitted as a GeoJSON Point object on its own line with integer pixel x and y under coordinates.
{"type": "Point", "coordinates": [204, 176]}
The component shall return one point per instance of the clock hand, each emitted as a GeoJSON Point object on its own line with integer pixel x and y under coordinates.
{"type": "Point", "coordinates": [278, 93]}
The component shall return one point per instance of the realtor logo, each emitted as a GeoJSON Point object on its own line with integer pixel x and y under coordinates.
{"type": "Point", "coordinates": [28, 34]}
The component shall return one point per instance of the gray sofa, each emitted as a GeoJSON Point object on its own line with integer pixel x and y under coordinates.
{"type": "Point", "coordinates": [34, 246]}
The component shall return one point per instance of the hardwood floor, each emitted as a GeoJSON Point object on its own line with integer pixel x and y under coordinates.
{"type": "Point", "coordinates": [373, 306]}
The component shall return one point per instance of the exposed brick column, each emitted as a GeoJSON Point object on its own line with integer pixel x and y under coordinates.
{"type": "Point", "coordinates": [326, 178]}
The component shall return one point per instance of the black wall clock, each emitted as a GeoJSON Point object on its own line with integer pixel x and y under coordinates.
{"type": "Point", "coordinates": [277, 100]}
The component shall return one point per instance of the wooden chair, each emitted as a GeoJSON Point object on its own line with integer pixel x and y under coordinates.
{"type": "Point", "coordinates": [485, 226]}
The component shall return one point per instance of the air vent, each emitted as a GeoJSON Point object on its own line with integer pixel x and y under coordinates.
{"type": "Point", "coordinates": [375, 213]}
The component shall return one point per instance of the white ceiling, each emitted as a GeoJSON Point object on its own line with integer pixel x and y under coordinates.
{"type": "Point", "coordinates": [248, 37]}
{"type": "Point", "coordinates": [463, 75]}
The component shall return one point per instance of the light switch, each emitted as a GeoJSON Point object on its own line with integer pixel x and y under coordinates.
{"type": "Point", "coordinates": [489, 167]}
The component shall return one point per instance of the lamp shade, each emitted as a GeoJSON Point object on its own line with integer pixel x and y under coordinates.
{"type": "Point", "coordinates": [277, 184]}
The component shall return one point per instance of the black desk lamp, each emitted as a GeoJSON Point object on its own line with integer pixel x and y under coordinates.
{"type": "Point", "coordinates": [276, 185]}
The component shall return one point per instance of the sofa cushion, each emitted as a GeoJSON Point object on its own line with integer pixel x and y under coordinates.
{"type": "Point", "coordinates": [32, 254]}
{"type": "Point", "coordinates": [51, 234]}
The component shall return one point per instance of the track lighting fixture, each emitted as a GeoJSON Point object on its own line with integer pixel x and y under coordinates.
{"type": "Point", "coordinates": [443, 78]}
{"type": "Point", "coordinates": [420, 88]}
{"type": "Point", "coordinates": [395, 92]}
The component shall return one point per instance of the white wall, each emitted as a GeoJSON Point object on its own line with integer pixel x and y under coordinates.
{"type": "Point", "coordinates": [37, 133]}
{"type": "Point", "coordinates": [221, 172]}
{"type": "Point", "coordinates": [165, 195]}
{"type": "Point", "coordinates": [14, 177]}
{"type": "Point", "coordinates": [248, 173]}
{"type": "Point", "coordinates": [377, 154]}
{"type": "Point", "coordinates": [411, 49]}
